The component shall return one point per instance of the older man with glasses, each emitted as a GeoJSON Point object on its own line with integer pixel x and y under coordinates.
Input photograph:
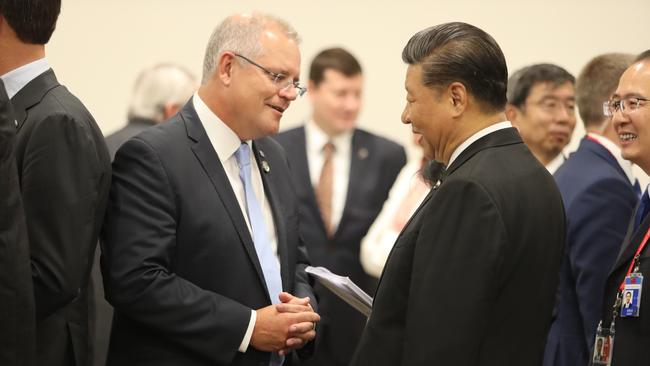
{"type": "Point", "coordinates": [628, 332]}
{"type": "Point", "coordinates": [202, 258]}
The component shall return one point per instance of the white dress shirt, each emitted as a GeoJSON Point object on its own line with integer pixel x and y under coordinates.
{"type": "Point", "coordinates": [225, 142]}
{"type": "Point", "coordinates": [16, 79]}
{"type": "Point", "coordinates": [475, 137]}
{"type": "Point", "coordinates": [377, 244]}
{"type": "Point", "coordinates": [315, 139]}
{"type": "Point", "coordinates": [608, 144]}
{"type": "Point", "coordinates": [554, 164]}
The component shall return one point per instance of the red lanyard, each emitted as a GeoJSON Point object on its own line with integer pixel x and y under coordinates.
{"type": "Point", "coordinates": [636, 255]}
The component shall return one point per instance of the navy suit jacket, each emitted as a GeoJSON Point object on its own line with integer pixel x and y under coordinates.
{"type": "Point", "coordinates": [599, 200]}
{"type": "Point", "coordinates": [178, 260]}
{"type": "Point", "coordinates": [374, 165]}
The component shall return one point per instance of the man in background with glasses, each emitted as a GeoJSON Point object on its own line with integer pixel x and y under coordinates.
{"type": "Point", "coordinates": [597, 188]}
{"type": "Point", "coordinates": [541, 105]}
{"type": "Point", "coordinates": [342, 176]}
{"type": "Point", "coordinates": [201, 251]}
{"type": "Point", "coordinates": [630, 111]}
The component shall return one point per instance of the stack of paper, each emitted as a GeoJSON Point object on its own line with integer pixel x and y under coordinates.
{"type": "Point", "coordinates": [344, 288]}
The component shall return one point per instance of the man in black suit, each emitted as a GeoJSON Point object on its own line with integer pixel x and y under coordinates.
{"type": "Point", "coordinates": [64, 173]}
{"type": "Point", "coordinates": [629, 108]}
{"type": "Point", "coordinates": [159, 93]}
{"type": "Point", "coordinates": [16, 294]}
{"type": "Point", "coordinates": [201, 234]}
{"type": "Point", "coordinates": [490, 236]}
{"type": "Point", "coordinates": [340, 195]}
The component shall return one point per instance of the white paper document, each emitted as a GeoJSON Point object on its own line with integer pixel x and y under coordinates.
{"type": "Point", "coordinates": [344, 288]}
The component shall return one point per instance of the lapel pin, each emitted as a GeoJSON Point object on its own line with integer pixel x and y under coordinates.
{"type": "Point", "coordinates": [362, 153]}
{"type": "Point", "coordinates": [262, 154]}
{"type": "Point", "coordinates": [265, 166]}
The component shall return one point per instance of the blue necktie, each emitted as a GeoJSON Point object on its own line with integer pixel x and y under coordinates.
{"type": "Point", "coordinates": [261, 237]}
{"type": "Point", "coordinates": [642, 210]}
{"type": "Point", "coordinates": [637, 188]}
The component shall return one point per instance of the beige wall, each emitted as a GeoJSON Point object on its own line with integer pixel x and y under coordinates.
{"type": "Point", "coordinates": [99, 46]}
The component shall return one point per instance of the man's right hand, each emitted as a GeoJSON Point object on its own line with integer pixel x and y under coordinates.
{"type": "Point", "coordinates": [273, 328]}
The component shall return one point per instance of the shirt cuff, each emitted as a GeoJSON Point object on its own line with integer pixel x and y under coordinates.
{"type": "Point", "coordinates": [249, 333]}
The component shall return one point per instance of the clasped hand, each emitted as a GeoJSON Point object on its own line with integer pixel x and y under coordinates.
{"type": "Point", "coordinates": [285, 326]}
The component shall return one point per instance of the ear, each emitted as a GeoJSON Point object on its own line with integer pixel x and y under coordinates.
{"type": "Point", "coordinates": [225, 68]}
{"type": "Point", "coordinates": [170, 109]}
{"type": "Point", "coordinates": [512, 113]}
{"type": "Point", "coordinates": [457, 93]}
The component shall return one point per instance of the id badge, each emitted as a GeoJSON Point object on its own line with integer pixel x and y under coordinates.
{"type": "Point", "coordinates": [631, 295]}
{"type": "Point", "coordinates": [603, 346]}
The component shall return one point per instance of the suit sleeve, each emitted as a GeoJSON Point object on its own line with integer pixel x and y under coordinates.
{"type": "Point", "coordinates": [598, 220]}
{"type": "Point", "coordinates": [60, 171]}
{"type": "Point", "coordinates": [454, 278]}
{"type": "Point", "coordinates": [16, 295]}
{"type": "Point", "coordinates": [138, 246]}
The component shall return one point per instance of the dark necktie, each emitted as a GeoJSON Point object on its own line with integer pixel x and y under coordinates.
{"type": "Point", "coordinates": [642, 210]}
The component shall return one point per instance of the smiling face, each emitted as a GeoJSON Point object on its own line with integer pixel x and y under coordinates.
{"type": "Point", "coordinates": [259, 102]}
{"type": "Point", "coordinates": [427, 113]}
{"type": "Point", "coordinates": [633, 126]}
{"type": "Point", "coordinates": [547, 119]}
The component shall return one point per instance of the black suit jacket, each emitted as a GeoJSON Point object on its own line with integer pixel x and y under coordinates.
{"type": "Point", "coordinates": [375, 163]}
{"type": "Point", "coordinates": [178, 260]}
{"type": "Point", "coordinates": [489, 237]}
{"type": "Point", "coordinates": [102, 310]}
{"type": "Point", "coordinates": [64, 172]}
{"type": "Point", "coordinates": [17, 332]}
{"type": "Point", "coordinates": [632, 341]}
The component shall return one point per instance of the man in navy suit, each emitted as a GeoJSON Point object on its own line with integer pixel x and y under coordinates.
{"type": "Point", "coordinates": [630, 110]}
{"type": "Point", "coordinates": [201, 251]}
{"type": "Point", "coordinates": [596, 184]}
{"type": "Point", "coordinates": [340, 196]}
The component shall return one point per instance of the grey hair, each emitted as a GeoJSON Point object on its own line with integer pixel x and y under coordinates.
{"type": "Point", "coordinates": [241, 34]}
{"type": "Point", "coordinates": [157, 86]}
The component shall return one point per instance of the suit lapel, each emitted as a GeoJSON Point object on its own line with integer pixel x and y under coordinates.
{"type": "Point", "coordinates": [603, 153]}
{"type": "Point", "coordinates": [273, 195]}
{"type": "Point", "coordinates": [32, 94]}
{"type": "Point", "coordinates": [359, 154]}
{"type": "Point", "coordinates": [209, 160]}
{"type": "Point", "coordinates": [632, 241]}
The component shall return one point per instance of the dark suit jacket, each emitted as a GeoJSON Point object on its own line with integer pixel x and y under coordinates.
{"type": "Point", "coordinates": [599, 199]}
{"type": "Point", "coordinates": [17, 332]}
{"type": "Point", "coordinates": [178, 260]}
{"type": "Point", "coordinates": [64, 172]}
{"type": "Point", "coordinates": [103, 311]}
{"type": "Point", "coordinates": [632, 341]}
{"type": "Point", "coordinates": [375, 163]}
{"type": "Point", "coordinates": [490, 236]}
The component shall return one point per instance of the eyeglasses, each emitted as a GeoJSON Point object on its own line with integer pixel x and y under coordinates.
{"type": "Point", "coordinates": [278, 79]}
{"type": "Point", "coordinates": [625, 105]}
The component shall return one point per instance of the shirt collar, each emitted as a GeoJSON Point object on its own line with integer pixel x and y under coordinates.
{"type": "Point", "coordinates": [16, 79]}
{"type": "Point", "coordinates": [475, 137]}
{"type": "Point", "coordinates": [608, 144]}
{"type": "Point", "coordinates": [224, 140]}
{"type": "Point", "coordinates": [316, 138]}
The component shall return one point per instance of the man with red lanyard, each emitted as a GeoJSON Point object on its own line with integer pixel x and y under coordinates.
{"type": "Point", "coordinates": [628, 328]}
{"type": "Point", "coordinates": [597, 187]}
